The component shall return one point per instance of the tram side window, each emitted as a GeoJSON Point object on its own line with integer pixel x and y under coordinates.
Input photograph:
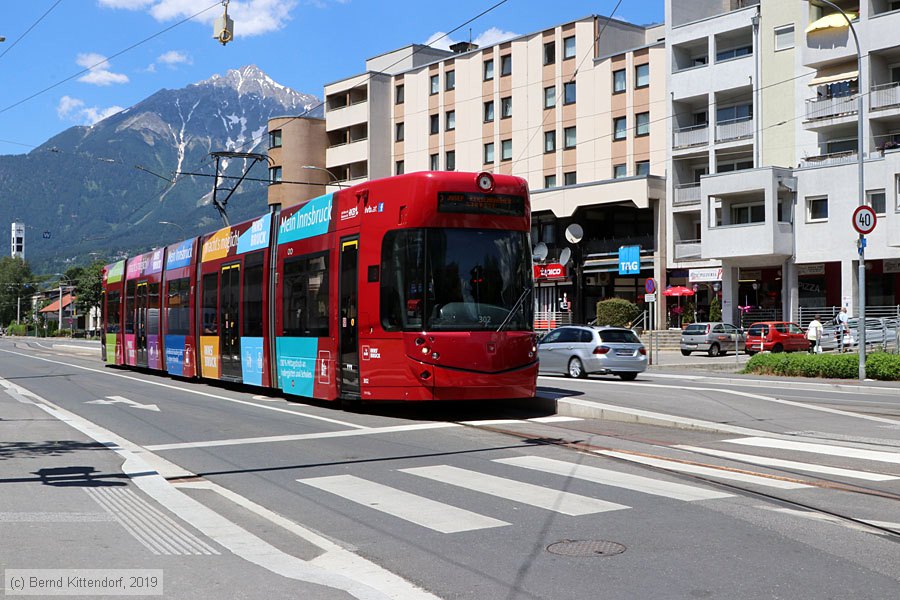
{"type": "Point", "coordinates": [113, 300]}
{"type": "Point", "coordinates": [403, 280]}
{"type": "Point", "coordinates": [253, 295]}
{"type": "Point", "coordinates": [153, 309]}
{"type": "Point", "coordinates": [129, 307]}
{"type": "Point", "coordinates": [178, 307]}
{"type": "Point", "coordinates": [210, 324]}
{"type": "Point", "coordinates": [305, 296]}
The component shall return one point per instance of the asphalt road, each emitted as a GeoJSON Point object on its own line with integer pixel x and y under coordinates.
{"type": "Point", "coordinates": [689, 486]}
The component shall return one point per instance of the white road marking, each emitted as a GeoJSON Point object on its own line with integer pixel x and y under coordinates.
{"type": "Point", "coordinates": [300, 436]}
{"type": "Point", "coordinates": [488, 422]}
{"type": "Point", "coordinates": [646, 485]}
{"type": "Point", "coordinates": [844, 451]}
{"type": "Point", "coordinates": [885, 524]}
{"type": "Point", "coordinates": [671, 465]}
{"type": "Point", "coordinates": [815, 516]}
{"type": "Point", "coordinates": [517, 491]}
{"type": "Point", "coordinates": [555, 419]}
{"type": "Point", "coordinates": [121, 400]}
{"type": "Point", "coordinates": [791, 464]}
{"type": "Point", "coordinates": [403, 505]}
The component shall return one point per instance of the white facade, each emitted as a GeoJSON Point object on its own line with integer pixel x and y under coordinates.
{"type": "Point", "coordinates": [17, 240]}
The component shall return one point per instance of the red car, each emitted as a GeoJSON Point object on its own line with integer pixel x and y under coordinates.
{"type": "Point", "coordinates": [776, 336]}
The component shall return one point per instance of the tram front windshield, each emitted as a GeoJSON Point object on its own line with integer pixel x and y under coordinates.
{"type": "Point", "coordinates": [455, 280]}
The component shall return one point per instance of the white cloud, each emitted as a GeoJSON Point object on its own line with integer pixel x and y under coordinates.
{"type": "Point", "coordinates": [487, 38]}
{"type": "Point", "coordinates": [251, 17]}
{"type": "Point", "coordinates": [171, 59]}
{"type": "Point", "coordinates": [99, 73]}
{"type": "Point", "coordinates": [74, 110]}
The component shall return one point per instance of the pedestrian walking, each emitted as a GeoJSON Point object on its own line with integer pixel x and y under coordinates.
{"type": "Point", "coordinates": [843, 323]}
{"type": "Point", "coordinates": [814, 335]}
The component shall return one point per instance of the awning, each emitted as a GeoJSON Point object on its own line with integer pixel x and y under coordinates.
{"type": "Point", "coordinates": [834, 74]}
{"type": "Point", "coordinates": [831, 21]}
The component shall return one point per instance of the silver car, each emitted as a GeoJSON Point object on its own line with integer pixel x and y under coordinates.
{"type": "Point", "coordinates": [712, 338]}
{"type": "Point", "coordinates": [581, 349]}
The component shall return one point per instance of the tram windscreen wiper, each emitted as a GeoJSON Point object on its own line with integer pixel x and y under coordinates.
{"type": "Point", "coordinates": [514, 308]}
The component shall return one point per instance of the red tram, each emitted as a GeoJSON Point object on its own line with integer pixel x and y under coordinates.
{"type": "Point", "coordinates": [413, 287]}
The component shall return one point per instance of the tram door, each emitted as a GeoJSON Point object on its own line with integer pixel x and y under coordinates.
{"type": "Point", "coordinates": [230, 311]}
{"type": "Point", "coordinates": [140, 324]}
{"type": "Point", "coordinates": [349, 321]}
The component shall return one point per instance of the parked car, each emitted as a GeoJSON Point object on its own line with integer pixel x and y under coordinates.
{"type": "Point", "coordinates": [712, 338]}
{"type": "Point", "coordinates": [776, 336]}
{"type": "Point", "coordinates": [577, 350]}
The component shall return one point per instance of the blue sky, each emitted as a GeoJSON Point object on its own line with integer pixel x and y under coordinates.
{"type": "Point", "coordinates": [299, 43]}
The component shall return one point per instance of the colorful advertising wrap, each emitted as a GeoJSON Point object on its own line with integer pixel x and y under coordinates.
{"type": "Point", "coordinates": [309, 221]}
{"type": "Point", "coordinates": [145, 264]}
{"type": "Point", "coordinates": [180, 255]}
{"type": "Point", "coordinates": [231, 241]}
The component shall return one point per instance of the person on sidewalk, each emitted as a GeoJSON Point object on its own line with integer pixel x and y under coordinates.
{"type": "Point", "coordinates": [843, 323]}
{"type": "Point", "coordinates": [814, 335]}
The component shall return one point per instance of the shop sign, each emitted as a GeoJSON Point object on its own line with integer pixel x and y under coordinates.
{"type": "Point", "coordinates": [755, 274]}
{"type": "Point", "coordinates": [891, 265]}
{"type": "Point", "coordinates": [551, 271]}
{"type": "Point", "coordinates": [629, 260]}
{"type": "Point", "coordinates": [814, 269]}
{"type": "Point", "coordinates": [705, 275]}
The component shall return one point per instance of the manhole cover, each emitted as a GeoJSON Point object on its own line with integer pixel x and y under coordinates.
{"type": "Point", "coordinates": [586, 548]}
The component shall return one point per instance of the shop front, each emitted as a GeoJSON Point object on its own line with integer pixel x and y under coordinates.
{"type": "Point", "coordinates": [553, 296]}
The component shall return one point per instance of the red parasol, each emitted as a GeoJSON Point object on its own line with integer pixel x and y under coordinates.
{"type": "Point", "coordinates": [678, 290]}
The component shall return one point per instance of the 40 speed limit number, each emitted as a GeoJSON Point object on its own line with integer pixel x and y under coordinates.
{"type": "Point", "coordinates": [864, 220]}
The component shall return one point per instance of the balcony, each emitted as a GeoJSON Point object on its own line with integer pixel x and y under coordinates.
{"type": "Point", "coordinates": [688, 250]}
{"type": "Point", "coordinates": [886, 95]}
{"type": "Point", "coordinates": [828, 160]}
{"type": "Point", "coordinates": [825, 108]}
{"type": "Point", "coordinates": [686, 194]}
{"type": "Point", "coordinates": [735, 129]}
{"type": "Point", "coordinates": [688, 137]}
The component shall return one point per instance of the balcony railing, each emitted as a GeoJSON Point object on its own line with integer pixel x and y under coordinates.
{"type": "Point", "coordinates": [735, 129]}
{"type": "Point", "coordinates": [687, 250]}
{"type": "Point", "coordinates": [885, 95]}
{"type": "Point", "coordinates": [831, 107]}
{"type": "Point", "coordinates": [698, 135]}
{"type": "Point", "coordinates": [687, 193]}
{"type": "Point", "coordinates": [827, 160]}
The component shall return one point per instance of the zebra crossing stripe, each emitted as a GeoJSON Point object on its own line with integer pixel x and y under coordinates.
{"type": "Point", "coordinates": [403, 505]}
{"type": "Point", "coordinates": [843, 451]}
{"type": "Point", "coordinates": [672, 465]}
{"type": "Point", "coordinates": [791, 464]}
{"type": "Point", "coordinates": [525, 493]}
{"type": "Point", "coordinates": [638, 483]}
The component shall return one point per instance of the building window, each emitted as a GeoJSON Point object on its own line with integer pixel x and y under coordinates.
{"type": "Point", "coordinates": [733, 165]}
{"type": "Point", "coordinates": [399, 94]}
{"type": "Point", "coordinates": [569, 93]}
{"type": "Point", "coordinates": [435, 84]}
{"type": "Point", "coordinates": [549, 181]}
{"type": "Point", "coordinates": [506, 150]}
{"type": "Point", "coordinates": [275, 175]}
{"type": "Point", "coordinates": [550, 96]}
{"type": "Point", "coordinates": [505, 65]}
{"type": "Point", "coordinates": [489, 153]}
{"type": "Point", "coordinates": [642, 126]}
{"type": "Point", "coordinates": [450, 160]}
{"type": "Point", "coordinates": [620, 128]}
{"type": "Point", "coordinates": [744, 214]}
{"type": "Point", "coordinates": [506, 107]}
{"type": "Point", "coordinates": [734, 114]}
{"type": "Point", "coordinates": [399, 167]}
{"type": "Point", "coordinates": [817, 209]}
{"type": "Point", "coordinates": [642, 168]}
{"type": "Point", "coordinates": [784, 37]}
{"type": "Point", "coordinates": [569, 48]}
{"type": "Point", "coordinates": [489, 69]}
{"type": "Point", "coordinates": [451, 120]}
{"type": "Point", "coordinates": [733, 53]}
{"type": "Point", "coordinates": [489, 111]}
{"type": "Point", "coordinates": [550, 141]}
{"type": "Point", "coordinates": [618, 81]}
{"type": "Point", "coordinates": [398, 132]}
{"type": "Point", "coordinates": [434, 162]}
{"type": "Point", "coordinates": [569, 178]}
{"type": "Point", "coordinates": [877, 200]}
{"type": "Point", "coordinates": [619, 171]}
{"type": "Point", "coordinates": [569, 137]}
{"type": "Point", "coordinates": [450, 80]}
{"type": "Point", "coordinates": [434, 124]}
{"type": "Point", "coordinates": [275, 139]}
{"type": "Point", "coordinates": [642, 75]}
{"type": "Point", "coordinates": [549, 53]}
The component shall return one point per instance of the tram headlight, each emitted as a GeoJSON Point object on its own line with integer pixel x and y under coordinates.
{"type": "Point", "coordinates": [425, 350]}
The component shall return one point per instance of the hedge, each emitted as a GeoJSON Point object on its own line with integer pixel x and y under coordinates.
{"type": "Point", "coordinates": [879, 365]}
{"type": "Point", "coordinates": [616, 312]}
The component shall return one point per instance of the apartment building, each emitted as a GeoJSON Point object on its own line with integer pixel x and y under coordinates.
{"type": "Point", "coordinates": [762, 141]}
{"type": "Point", "coordinates": [578, 110]}
{"type": "Point", "coordinates": [297, 158]}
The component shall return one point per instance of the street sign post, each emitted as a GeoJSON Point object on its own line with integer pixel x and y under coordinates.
{"type": "Point", "coordinates": [864, 220]}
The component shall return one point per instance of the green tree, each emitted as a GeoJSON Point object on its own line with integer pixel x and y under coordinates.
{"type": "Point", "coordinates": [15, 283]}
{"type": "Point", "coordinates": [715, 309]}
{"type": "Point", "coordinates": [88, 287]}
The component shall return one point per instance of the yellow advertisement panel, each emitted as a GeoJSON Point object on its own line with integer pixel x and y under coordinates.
{"type": "Point", "coordinates": [209, 356]}
{"type": "Point", "coordinates": [219, 244]}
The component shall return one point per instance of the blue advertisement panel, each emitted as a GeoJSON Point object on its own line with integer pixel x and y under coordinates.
{"type": "Point", "coordinates": [180, 256]}
{"type": "Point", "coordinates": [296, 359]}
{"type": "Point", "coordinates": [175, 354]}
{"type": "Point", "coordinates": [257, 237]}
{"type": "Point", "coordinates": [252, 360]}
{"type": "Point", "coordinates": [629, 260]}
{"type": "Point", "coordinates": [311, 220]}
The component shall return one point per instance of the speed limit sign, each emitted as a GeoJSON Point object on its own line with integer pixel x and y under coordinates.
{"type": "Point", "coordinates": [864, 220]}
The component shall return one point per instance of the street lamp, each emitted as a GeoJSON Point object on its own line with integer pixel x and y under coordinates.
{"type": "Point", "coordinates": [183, 232]}
{"type": "Point", "coordinates": [337, 181]}
{"type": "Point", "coordinates": [861, 241]}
